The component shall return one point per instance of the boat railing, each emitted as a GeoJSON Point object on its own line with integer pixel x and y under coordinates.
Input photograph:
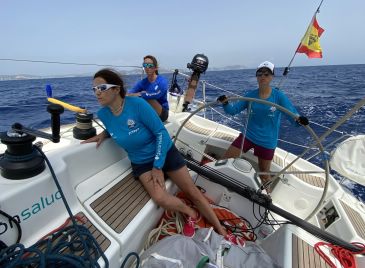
{"type": "Point", "coordinates": [202, 102]}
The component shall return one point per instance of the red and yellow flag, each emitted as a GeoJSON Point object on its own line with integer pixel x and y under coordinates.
{"type": "Point", "coordinates": [310, 41]}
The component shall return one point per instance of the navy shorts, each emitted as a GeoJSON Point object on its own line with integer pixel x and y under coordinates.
{"type": "Point", "coordinates": [173, 161]}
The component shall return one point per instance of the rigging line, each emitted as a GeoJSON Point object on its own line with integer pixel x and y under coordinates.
{"type": "Point", "coordinates": [355, 108]}
{"type": "Point", "coordinates": [281, 140]}
{"type": "Point", "coordinates": [210, 85]}
{"type": "Point", "coordinates": [70, 63]}
{"type": "Point", "coordinates": [286, 70]}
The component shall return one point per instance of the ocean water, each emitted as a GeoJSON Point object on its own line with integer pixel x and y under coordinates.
{"type": "Point", "coordinates": [322, 93]}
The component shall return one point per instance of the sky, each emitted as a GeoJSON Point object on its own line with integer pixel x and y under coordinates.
{"type": "Point", "coordinates": [120, 32]}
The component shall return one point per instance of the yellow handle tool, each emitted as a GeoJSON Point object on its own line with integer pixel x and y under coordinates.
{"type": "Point", "coordinates": [67, 106]}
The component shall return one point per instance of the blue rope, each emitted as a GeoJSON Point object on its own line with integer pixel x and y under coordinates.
{"type": "Point", "coordinates": [130, 254]}
{"type": "Point", "coordinates": [71, 240]}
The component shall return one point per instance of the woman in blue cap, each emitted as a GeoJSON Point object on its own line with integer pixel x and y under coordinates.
{"type": "Point", "coordinates": [263, 125]}
{"type": "Point", "coordinates": [134, 126]}
{"type": "Point", "coordinates": [153, 88]}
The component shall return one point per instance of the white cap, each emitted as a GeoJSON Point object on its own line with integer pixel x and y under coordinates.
{"type": "Point", "coordinates": [267, 64]}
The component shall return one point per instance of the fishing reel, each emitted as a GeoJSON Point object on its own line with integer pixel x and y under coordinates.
{"type": "Point", "coordinates": [21, 160]}
{"type": "Point", "coordinates": [199, 63]}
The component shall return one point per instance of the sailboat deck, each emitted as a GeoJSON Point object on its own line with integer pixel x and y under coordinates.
{"type": "Point", "coordinates": [307, 178]}
{"type": "Point", "coordinates": [121, 203]}
{"type": "Point", "coordinates": [81, 219]}
{"type": "Point", "coordinates": [357, 221]}
{"type": "Point", "coordinates": [305, 256]}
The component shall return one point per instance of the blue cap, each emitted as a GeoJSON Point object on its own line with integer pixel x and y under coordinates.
{"type": "Point", "coordinates": [49, 91]}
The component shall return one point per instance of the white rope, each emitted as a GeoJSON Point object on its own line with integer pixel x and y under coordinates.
{"type": "Point", "coordinates": [174, 221]}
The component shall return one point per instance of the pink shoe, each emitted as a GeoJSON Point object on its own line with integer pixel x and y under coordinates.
{"type": "Point", "coordinates": [189, 227]}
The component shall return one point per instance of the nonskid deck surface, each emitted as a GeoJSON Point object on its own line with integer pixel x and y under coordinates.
{"type": "Point", "coordinates": [357, 221]}
{"type": "Point", "coordinates": [121, 203]}
{"type": "Point", "coordinates": [81, 219]}
{"type": "Point", "coordinates": [307, 178]}
{"type": "Point", "coordinates": [305, 256]}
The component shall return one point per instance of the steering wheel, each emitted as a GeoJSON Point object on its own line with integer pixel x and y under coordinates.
{"type": "Point", "coordinates": [262, 199]}
{"type": "Point", "coordinates": [292, 115]}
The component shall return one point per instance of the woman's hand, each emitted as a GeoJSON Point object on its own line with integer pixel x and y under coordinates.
{"type": "Point", "coordinates": [98, 139]}
{"type": "Point", "coordinates": [158, 178]}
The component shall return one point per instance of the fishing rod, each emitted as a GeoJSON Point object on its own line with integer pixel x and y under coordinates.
{"type": "Point", "coordinates": [287, 69]}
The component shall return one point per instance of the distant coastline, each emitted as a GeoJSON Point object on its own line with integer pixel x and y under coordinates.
{"type": "Point", "coordinates": [136, 71]}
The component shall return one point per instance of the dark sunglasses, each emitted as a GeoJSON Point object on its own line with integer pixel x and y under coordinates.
{"type": "Point", "coordinates": [258, 74]}
{"type": "Point", "coordinates": [103, 87]}
{"type": "Point", "coordinates": [148, 65]}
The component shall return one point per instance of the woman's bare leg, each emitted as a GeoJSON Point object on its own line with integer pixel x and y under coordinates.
{"type": "Point", "coordinates": [182, 179]}
{"type": "Point", "coordinates": [163, 198]}
{"type": "Point", "coordinates": [232, 152]}
{"type": "Point", "coordinates": [264, 166]}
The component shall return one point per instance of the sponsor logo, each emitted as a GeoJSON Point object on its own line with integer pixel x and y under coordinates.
{"type": "Point", "coordinates": [131, 123]}
{"type": "Point", "coordinates": [25, 214]}
{"type": "Point", "coordinates": [272, 109]}
{"type": "Point", "coordinates": [133, 131]}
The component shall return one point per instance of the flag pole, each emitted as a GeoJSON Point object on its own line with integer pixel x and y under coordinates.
{"type": "Point", "coordinates": [287, 69]}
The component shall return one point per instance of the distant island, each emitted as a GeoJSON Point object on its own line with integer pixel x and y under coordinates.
{"type": "Point", "coordinates": [126, 72]}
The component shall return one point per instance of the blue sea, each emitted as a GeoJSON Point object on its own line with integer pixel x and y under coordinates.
{"type": "Point", "coordinates": [322, 93]}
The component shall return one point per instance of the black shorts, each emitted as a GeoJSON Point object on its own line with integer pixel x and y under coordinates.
{"type": "Point", "coordinates": [164, 115]}
{"type": "Point", "coordinates": [173, 161]}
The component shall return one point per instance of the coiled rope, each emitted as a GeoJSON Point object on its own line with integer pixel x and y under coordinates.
{"type": "Point", "coordinates": [59, 248]}
{"type": "Point", "coordinates": [345, 257]}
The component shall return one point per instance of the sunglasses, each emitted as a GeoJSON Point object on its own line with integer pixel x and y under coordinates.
{"type": "Point", "coordinates": [103, 87]}
{"type": "Point", "coordinates": [258, 74]}
{"type": "Point", "coordinates": [148, 65]}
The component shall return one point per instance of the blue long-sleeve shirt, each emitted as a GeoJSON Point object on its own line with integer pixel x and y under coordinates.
{"type": "Point", "coordinates": [264, 122]}
{"type": "Point", "coordinates": [156, 90]}
{"type": "Point", "coordinates": [139, 131]}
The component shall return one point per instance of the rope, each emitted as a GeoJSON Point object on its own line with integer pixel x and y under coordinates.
{"type": "Point", "coordinates": [287, 69]}
{"type": "Point", "coordinates": [70, 240]}
{"type": "Point", "coordinates": [130, 254]}
{"type": "Point", "coordinates": [11, 219]}
{"type": "Point", "coordinates": [345, 257]}
{"type": "Point", "coordinates": [173, 221]}
{"type": "Point", "coordinates": [175, 89]}
{"type": "Point", "coordinates": [71, 63]}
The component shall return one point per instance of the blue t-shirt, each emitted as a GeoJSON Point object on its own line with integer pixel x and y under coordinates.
{"type": "Point", "coordinates": [156, 90]}
{"type": "Point", "coordinates": [139, 131]}
{"type": "Point", "coordinates": [264, 122]}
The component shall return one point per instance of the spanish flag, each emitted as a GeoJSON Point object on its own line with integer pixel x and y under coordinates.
{"type": "Point", "coordinates": [310, 42]}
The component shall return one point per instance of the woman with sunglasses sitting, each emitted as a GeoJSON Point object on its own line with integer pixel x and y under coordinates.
{"type": "Point", "coordinates": [263, 125]}
{"type": "Point", "coordinates": [135, 127]}
{"type": "Point", "coordinates": [153, 88]}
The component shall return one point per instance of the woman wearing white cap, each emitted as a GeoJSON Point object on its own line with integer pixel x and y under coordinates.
{"type": "Point", "coordinates": [263, 125]}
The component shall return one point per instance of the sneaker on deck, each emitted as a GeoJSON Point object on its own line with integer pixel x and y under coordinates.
{"type": "Point", "coordinates": [189, 227]}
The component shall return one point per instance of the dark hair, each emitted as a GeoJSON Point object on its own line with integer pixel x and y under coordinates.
{"type": "Point", "coordinates": [153, 60]}
{"type": "Point", "coordinates": [112, 77]}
